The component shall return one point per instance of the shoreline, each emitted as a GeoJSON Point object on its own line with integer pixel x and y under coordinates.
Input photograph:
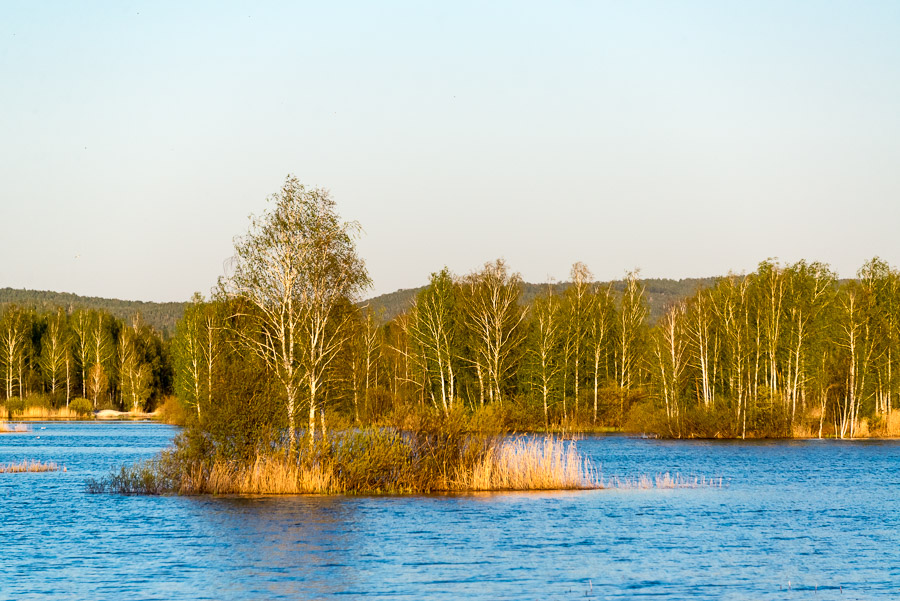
{"type": "Point", "coordinates": [111, 415]}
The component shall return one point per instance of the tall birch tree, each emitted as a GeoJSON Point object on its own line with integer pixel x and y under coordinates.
{"type": "Point", "coordinates": [294, 269]}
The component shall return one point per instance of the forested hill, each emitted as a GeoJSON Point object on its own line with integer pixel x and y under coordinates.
{"type": "Point", "coordinates": [164, 316]}
{"type": "Point", "coordinates": [659, 293]}
{"type": "Point", "coordinates": [160, 316]}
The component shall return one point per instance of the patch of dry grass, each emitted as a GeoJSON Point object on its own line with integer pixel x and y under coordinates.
{"type": "Point", "coordinates": [38, 412]}
{"type": "Point", "coordinates": [269, 475]}
{"type": "Point", "coordinates": [892, 424]}
{"type": "Point", "coordinates": [528, 464]}
{"type": "Point", "coordinates": [28, 466]}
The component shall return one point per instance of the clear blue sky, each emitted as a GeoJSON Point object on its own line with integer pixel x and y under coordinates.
{"type": "Point", "coordinates": [683, 138]}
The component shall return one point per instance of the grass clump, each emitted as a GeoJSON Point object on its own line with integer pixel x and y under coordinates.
{"type": "Point", "coordinates": [81, 407]}
{"type": "Point", "coordinates": [529, 464]}
{"type": "Point", "coordinates": [28, 466]}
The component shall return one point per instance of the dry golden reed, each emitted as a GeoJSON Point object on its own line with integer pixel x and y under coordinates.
{"type": "Point", "coordinates": [528, 464]}
{"type": "Point", "coordinates": [892, 424]}
{"type": "Point", "coordinates": [28, 466]}
{"type": "Point", "coordinates": [269, 475]}
{"type": "Point", "coordinates": [383, 462]}
{"type": "Point", "coordinates": [38, 412]}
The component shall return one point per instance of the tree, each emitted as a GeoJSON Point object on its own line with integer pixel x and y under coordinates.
{"type": "Point", "coordinates": [579, 311]}
{"type": "Point", "coordinates": [433, 332]}
{"type": "Point", "coordinates": [670, 348]}
{"type": "Point", "coordinates": [494, 320]}
{"type": "Point", "coordinates": [101, 351]}
{"type": "Point", "coordinates": [366, 347]}
{"type": "Point", "coordinates": [602, 321]}
{"type": "Point", "coordinates": [55, 352]}
{"type": "Point", "coordinates": [81, 329]}
{"type": "Point", "coordinates": [135, 376]}
{"type": "Point", "coordinates": [293, 270]}
{"type": "Point", "coordinates": [198, 347]}
{"type": "Point", "coordinates": [632, 323]}
{"type": "Point", "coordinates": [15, 331]}
{"type": "Point", "coordinates": [543, 347]}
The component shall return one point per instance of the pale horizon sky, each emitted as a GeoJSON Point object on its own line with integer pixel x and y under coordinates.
{"type": "Point", "coordinates": [686, 139]}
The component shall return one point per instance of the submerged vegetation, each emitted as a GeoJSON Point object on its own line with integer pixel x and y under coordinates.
{"type": "Point", "coordinates": [28, 466]}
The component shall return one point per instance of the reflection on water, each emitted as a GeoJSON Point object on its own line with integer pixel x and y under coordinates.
{"type": "Point", "coordinates": [801, 519]}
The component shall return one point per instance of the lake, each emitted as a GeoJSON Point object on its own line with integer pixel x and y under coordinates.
{"type": "Point", "coordinates": [793, 520]}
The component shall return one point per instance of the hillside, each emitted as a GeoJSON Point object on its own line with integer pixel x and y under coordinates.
{"type": "Point", "coordinates": [660, 293]}
{"type": "Point", "coordinates": [161, 316]}
{"type": "Point", "coordinates": [164, 316]}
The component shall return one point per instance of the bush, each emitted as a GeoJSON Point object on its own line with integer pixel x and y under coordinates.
{"type": "Point", "coordinates": [81, 406]}
{"type": "Point", "coordinates": [172, 411]}
{"type": "Point", "coordinates": [38, 400]}
{"type": "Point", "coordinates": [15, 405]}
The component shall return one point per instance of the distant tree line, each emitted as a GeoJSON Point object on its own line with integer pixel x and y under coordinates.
{"type": "Point", "coordinates": [786, 350]}
{"type": "Point", "coordinates": [55, 356]}
{"type": "Point", "coordinates": [160, 316]}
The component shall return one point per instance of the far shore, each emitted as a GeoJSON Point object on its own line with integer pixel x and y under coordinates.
{"type": "Point", "coordinates": [17, 423]}
{"type": "Point", "coordinates": [64, 416]}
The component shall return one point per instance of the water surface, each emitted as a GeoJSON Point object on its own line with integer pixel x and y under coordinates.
{"type": "Point", "coordinates": [794, 520]}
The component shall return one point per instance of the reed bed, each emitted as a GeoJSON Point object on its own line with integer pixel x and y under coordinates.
{"type": "Point", "coordinates": [528, 464]}
{"type": "Point", "coordinates": [892, 425]}
{"type": "Point", "coordinates": [664, 480]}
{"type": "Point", "coordinates": [28, 466]}
{"type": "Point", "coordinates": [39, 412]}
{"type": "Point", "coordinates": [270, 475]}
{"type": "Point", "coordinates": [382, 461]}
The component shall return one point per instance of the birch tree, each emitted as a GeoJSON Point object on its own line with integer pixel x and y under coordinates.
{"type": "Point", "coordinates": [365, 354]}
{"type": "Point", "coordinates": [134, 373]}
{"type": "Point", "coordinates": [101, 351]}
{"type": "Point", "coordinates": [15, 328]}
{"type": "Point", "coordinates": [293, 269]}
{"type": "Point", "coordinates": [198, 346]}
{"type": "Point", "coordinates": [601, 325]}
{"type": "Point", "coordinates": [81, 331]}
{"type": "Point", "coordinates": [579, 311]}
{"type": "Point", "coordinates": [632, 321]}
{"type": "Point", "coordinates": [55, 352]}
{"type": "Point", "coordinates": [546, 333]}
{"type": "Point", "coordinates": [670, 349]}
{"type": "Point", "coordinates": [433, 331]}
{"type": "Point", "coordinates": [494, 319]}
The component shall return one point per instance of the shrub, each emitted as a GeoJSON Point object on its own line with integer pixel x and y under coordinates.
{"type": "Point", "coordinates": [15, 405]}
{"type": "Point", "coordinates": [38, 401]}
{"type": "Point", "coordinates": [172, 411]}
{"type": "Point", "coordinates": [81, 406]}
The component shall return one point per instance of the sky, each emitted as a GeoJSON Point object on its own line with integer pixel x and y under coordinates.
{"type": "Point", "coordinates": [684, 139]}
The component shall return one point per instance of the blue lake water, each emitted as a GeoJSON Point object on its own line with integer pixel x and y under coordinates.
{"type": "Point", "coordinates": [793, 520]}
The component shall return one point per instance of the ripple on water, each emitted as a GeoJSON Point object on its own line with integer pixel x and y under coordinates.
{"type": "Point", "coordinates": [818, 516]}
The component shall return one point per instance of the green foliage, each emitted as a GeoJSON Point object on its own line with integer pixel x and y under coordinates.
{"type": "Point", "coordinates": [160, 316]}
{"type": "Point", "coordinates": [42, 401]}
{"type": "Point", "coordinates": [15, 406]}
{"type": "Point", "coordinates": [81, 406]}
{"type": "Point", "coordinates": [57, 354]}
